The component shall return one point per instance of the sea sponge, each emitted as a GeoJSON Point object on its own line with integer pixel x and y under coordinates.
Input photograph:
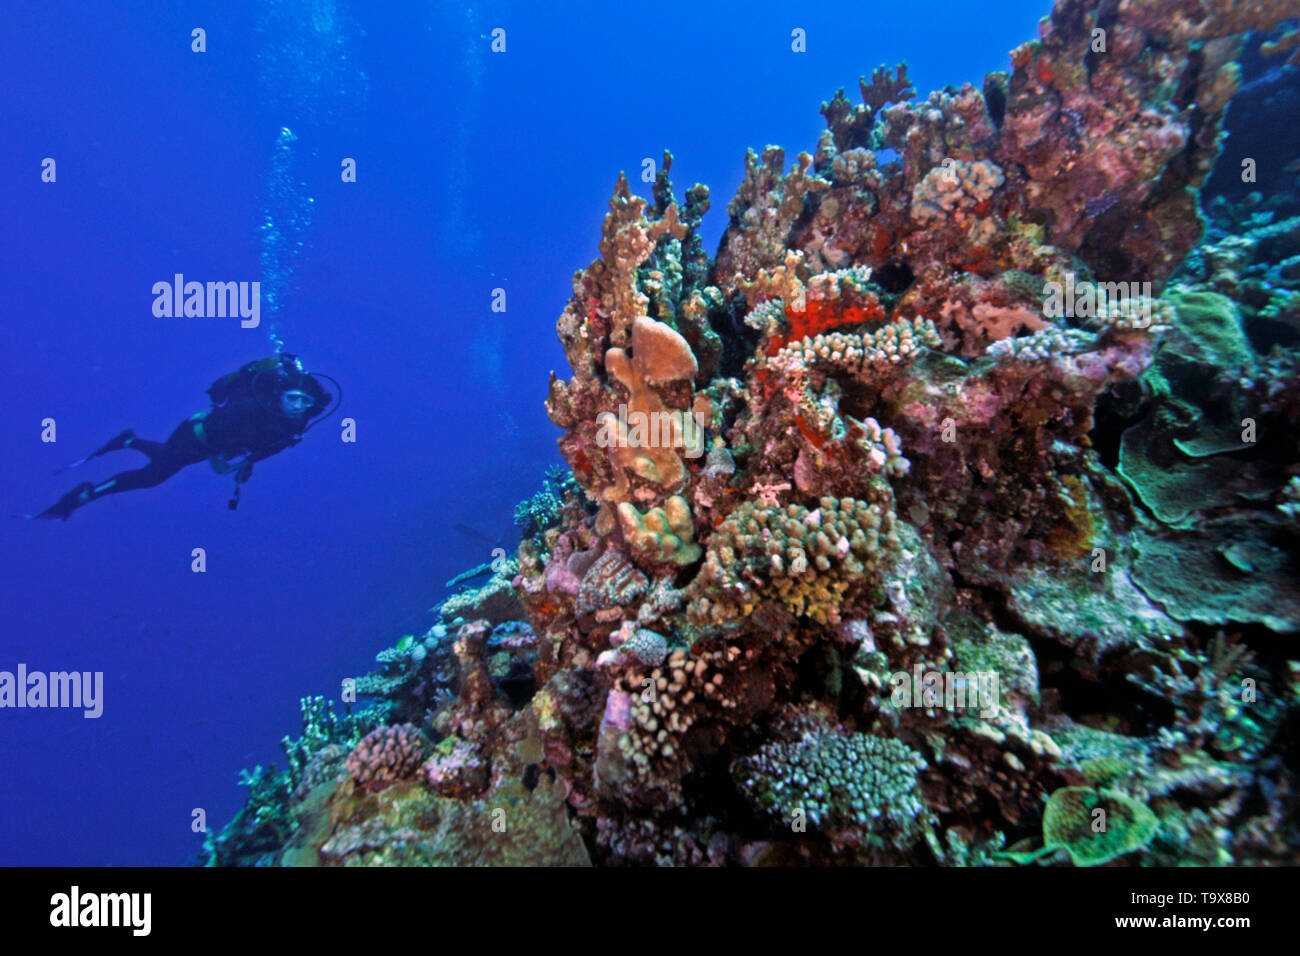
{"type": "Point", "coordinates": [659, 356]}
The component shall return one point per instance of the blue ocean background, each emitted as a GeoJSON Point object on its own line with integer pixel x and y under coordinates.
{"type": "Point", "coordinates": [476, 171]}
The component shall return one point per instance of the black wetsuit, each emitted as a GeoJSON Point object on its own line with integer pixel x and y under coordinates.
{"type": "Point", "coordinates": [244, 425]}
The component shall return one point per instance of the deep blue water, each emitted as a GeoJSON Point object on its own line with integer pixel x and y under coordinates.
{"type": "Point", "coordinates": [475, 171]}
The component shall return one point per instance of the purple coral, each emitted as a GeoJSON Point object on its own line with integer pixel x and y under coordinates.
{"type": "Point", "coordinates": [457, 771]}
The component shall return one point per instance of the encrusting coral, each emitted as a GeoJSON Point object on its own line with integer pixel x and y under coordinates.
{"type": "Point", "coordinates": [902, 526]}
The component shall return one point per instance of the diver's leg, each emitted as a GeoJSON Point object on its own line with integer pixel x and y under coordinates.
{"type": "Point", "coordinates": [128, 439]}
{"type": "Point", "coordinates": [69, 503]}
{"type": "Point", "coordinates": [144, 445]}
{"type": "Point", "coordinates": [124, 439]}
{"type": "Point", "coordinates": [165, 459]}
{"type": "Point", "coordinates": [154, 473]}
{"type": "Point", "coordinates": [181, 449]}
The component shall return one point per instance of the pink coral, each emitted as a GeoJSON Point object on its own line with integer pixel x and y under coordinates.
{"type": "Point", "coordinates": [385, 756]}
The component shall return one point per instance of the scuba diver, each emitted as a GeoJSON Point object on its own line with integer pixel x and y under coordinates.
{"type": "Point", "coordinates": [257, 411]}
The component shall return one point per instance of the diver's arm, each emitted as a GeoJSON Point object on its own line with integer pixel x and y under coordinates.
{"type": "Point", "coordinates": [242, 475]}
{"type": "Point", "coordinates": [246, 467]}
{"type": "Point", "coordinates": [266, 451]}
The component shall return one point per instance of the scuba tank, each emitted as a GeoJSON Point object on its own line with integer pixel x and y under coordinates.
{"type": "Point", "coordinates": [241, 380]}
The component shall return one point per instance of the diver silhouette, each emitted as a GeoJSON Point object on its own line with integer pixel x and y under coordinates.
{"type": "Point", "coordinates": [257, 411]}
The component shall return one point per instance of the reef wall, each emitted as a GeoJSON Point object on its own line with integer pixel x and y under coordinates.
{"type": "Point", "coordinates": [955, 499]}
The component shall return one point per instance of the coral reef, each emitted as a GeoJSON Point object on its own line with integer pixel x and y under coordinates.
{"type": "Point", "coordinates": [948, 516]}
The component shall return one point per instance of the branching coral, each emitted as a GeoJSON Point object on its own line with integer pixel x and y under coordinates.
{"type": "Point", "coordinates": [807, 560]}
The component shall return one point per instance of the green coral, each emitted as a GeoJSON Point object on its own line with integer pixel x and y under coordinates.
{"type": "Point", "coordinates": [321, 726]}
{"type": "Point", "coordinates": [1239, 568]}
{"type": "Point", "coordinates": [1071, 821]}
{"type": "Point", "coordinates": [1092, 826]}
{"type": "Point", "coordinates": [962, 848]}
{"type": "Point", "coordinates": [1004, 653]}
{"type": "Point", "coordinates": [1102, 771]}
{"type": "Point", "coordinates": [545, 509]}
{"type": "Point", "coordinates": [1184, 455]}
{"type": "Point", "coordinates": [1210, 333]}
{"type": "Point", "coordinates": [860, 788]}
{"type": "Point", "coordinates": [260, 828]}
{"type": "Point", "coordinates": [263, 825]}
